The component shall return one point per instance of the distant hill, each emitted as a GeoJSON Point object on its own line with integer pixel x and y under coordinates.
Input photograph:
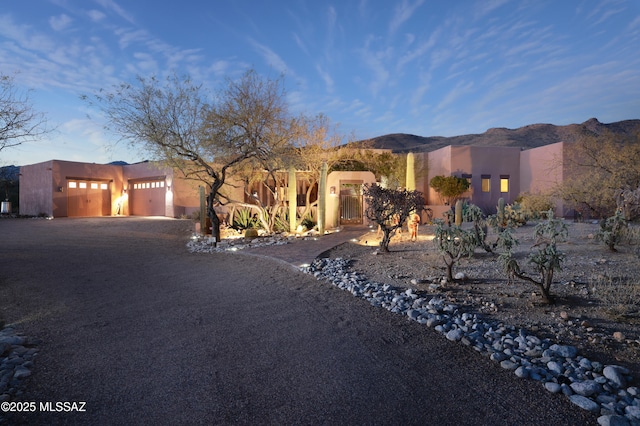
{"type": "Point", "coordinates": [10, 173]}
{"type": "Point", "coordinates": [530, 136]}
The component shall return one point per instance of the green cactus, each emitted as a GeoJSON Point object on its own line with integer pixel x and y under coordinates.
{"type": "Point", "coordinates": [292, 196]}
{"type": "Point", "coordinates": [322, 197]}
{"type": "Point", "coordinates": [458, 213]}
{"type": "Point", "coordinates": [502, 221]}
{"type": "Point", "coordinates": [410, 183]}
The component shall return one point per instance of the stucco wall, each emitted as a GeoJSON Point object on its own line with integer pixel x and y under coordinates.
{"type": "Point", "coordinates": [541, 169]}
{"type": "Point", "coordinates": [36, 189]}
{"type": "Point", "coordinates": [476, 161]}
{"type": "Point", "coordinates": [64, 171]}
{"type": "Point", "coordinates": [334, 180]}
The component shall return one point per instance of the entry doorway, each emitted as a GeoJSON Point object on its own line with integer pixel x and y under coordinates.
{"type": "Point", "coordinates": [351, 203]}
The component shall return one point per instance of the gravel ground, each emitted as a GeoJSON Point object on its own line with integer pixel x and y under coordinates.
{"type": "Point", "coordinates": [144, 332]}
{"type": "Point", "coordinates": [601, 319]}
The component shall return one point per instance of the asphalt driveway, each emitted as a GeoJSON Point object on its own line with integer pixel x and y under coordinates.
{"type": "Point", "coordinates": [146, 333]}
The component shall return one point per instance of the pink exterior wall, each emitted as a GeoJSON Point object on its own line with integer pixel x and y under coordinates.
{"type": "Point", "coordinates": [541, 170]}
{"type": "Point", "coordinates": [475, 161]}
{"type": "Point", "coordinates": [36, 189]}
{"type": "Point", "coordinates": [44, 186]}
{"type": "Point", "coordinates": [334, 180]}
{"type": "Point", "coordinates": [64, 171]}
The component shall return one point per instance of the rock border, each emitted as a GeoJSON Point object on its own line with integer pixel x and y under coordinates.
{"type": "Point", "coordinates": [598, 388]}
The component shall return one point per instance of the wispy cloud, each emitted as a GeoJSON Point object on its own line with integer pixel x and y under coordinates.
{"type": "Point", "coordinates": [326, 77]}
{"type": "Point", "coordinates": [485, 7]}
{"type": "Point", "coordinates": [270, 57]}
{"type": "Point", "coordinates": [114, 7]}
{"type": "Point", "coordinates": [403, 13]}
{"type": "Point", "coordinates": [454, 94]}
{"type": "Point", "coordinates": [377, 62]}
{"type": "Point", "coordinates": [420, 50]}
{"type": "Point", "coordinates": [59, 23]}
{"type": "Point", "coordinates": [96, 15]}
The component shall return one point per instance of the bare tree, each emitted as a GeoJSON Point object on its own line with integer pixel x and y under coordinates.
{"type": "Point", "coordinates": [602, 169]}
{"type": "Point", "coordinates": [19, 122]}
{"type": "Point", "coordinates": [389, 208]}
{"type": "Point", "coordinates": [174, 123]}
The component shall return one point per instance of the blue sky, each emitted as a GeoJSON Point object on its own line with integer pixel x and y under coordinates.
{"type": "Point", "coordinates": [425, 67]}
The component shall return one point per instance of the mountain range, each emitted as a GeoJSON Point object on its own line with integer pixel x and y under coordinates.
{"type": "Point", "coordinates": [531, 136]}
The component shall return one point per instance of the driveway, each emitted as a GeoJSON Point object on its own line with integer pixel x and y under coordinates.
{"type": "Point", "coordinates": [145, 332]}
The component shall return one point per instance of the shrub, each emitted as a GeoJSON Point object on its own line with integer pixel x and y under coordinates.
{"type": "Point", "coordinates": [546, 259]}
{"type": "Point", "coordinates": [618, 293]}
{"type": "Point", "coordinates": [612, 230]}
{"type": "Point", "coordinates": [535, 206]}
{"type": "Point", "coordinates": [244, 219]}
{"type": "Point", "coordinates": [474, 214]}
{"type": "Point", "coordinates": [449, 187]}
{"type": "Point", "coordinates": [308, 222]}
{"type": "Point", "coordinates": [390, 208]}
{"type": "Point", "coordinates": [453, 243]}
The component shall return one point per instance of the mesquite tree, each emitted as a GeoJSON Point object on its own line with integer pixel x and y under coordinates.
{"type": "Point", "coordinates": [19, 122]}
{"type": "Point", "coordinates": [175, 123]}
{"type": "Point", "coordinates": [389, 208]}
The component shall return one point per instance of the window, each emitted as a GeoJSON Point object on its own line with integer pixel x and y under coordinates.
{"type": "Point", "coordinates": [467, 177]}
{"type": "Point", "coordinates": [83, 185]}
{"type": "Point", "coordinates": [103, 186]}
{"type": "Point", "coordinates": [486, 183]}
{"type": "Point", "coordinates": [73, 184]}
{"type": "Point", "coordinates": [504, 183]}
{"type": "Point", "coordinates": [94, 185]}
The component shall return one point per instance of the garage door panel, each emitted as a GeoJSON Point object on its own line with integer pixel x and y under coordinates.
{"type": "Point", "coordinates": [147, 198]}
{"type": "Point", "coordinates": [88, 198]}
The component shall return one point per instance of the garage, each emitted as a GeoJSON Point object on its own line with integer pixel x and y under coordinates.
{"type": "Point", "coordinates": [88, 198]}
{"type": "Point", "coordinates": [147, 197]}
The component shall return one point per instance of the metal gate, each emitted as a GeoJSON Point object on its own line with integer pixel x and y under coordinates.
{"type": "Point", "coordinates": [350, 204]}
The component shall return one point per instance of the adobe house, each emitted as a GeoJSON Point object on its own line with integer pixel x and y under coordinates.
{"type": "Point", "coordinates": [72, 189]}
{"type": "Point", "coordinates": [494, 172]}
{"type": "Point", "coordinates": [65, 188]}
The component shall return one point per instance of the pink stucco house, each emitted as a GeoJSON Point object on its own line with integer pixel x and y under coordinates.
{"type": "Point", "coordinates": [494, 173]}
{"type": "Point", "coordinates": [72, 189]}
{"type": "Point", "coordinates": [65, 188]}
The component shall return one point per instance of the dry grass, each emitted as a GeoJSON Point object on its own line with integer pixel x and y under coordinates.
{"type": "Point", "coordinates": [618, 294]}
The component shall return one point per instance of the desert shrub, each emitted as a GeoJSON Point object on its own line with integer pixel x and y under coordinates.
{"type": "Point", "coordinates": [453, 243]}
{"type": "Point", "coordinates": [545, 258]}
{"type": "Point", "coordinates": [507, 215]}
{"type": "Point", "coordinates": [535, 206]}
{"type": "Point", "coordinates": [619, 294]}
{"type": "Point", "coordinates": [612, 230]}
{"type": "Point", "coordinates": [308, 222]}
{"type": "Point", "coordinates": [390, 208]}
{"type": "Point", "coordinates": [475, 215]}
{"type": "Point", "coordinates": [281, 221]}
{"type": "Point", "coordinates": [244, 219]}
{"type": "Point", "coordinates": [449, 187]}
